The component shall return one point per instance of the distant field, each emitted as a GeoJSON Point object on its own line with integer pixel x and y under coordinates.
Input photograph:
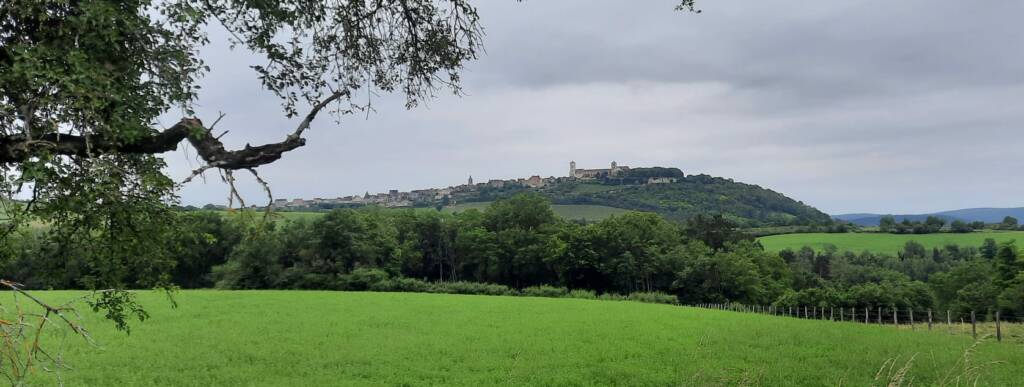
{"type": "Point", "coordinates": [304, 338]}
{"type": "Point", "coordinates": [882, 243]}
{"type": "Point", "coordinates": [586, 212]}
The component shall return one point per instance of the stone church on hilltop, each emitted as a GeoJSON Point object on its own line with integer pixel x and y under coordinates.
{"type": "Point", "coordinates": [615, 170]}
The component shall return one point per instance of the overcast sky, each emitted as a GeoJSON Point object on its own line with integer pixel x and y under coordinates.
{"type": "Point", "coordinates": [853, 106]}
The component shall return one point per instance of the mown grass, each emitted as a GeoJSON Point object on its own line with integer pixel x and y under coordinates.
{"type": "Point", "coordinates": [587, 212]}
{"type": "Point", "coordinates": [279, 338]}
{"type": "Point", "coordinates": [882, 243]}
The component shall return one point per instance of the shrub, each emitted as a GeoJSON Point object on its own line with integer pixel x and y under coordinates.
{"type": "Point", "coordinates": [402, 284]}
{"type": "Point", "coordinates": [545, 291]}
{"type": "Point", "coordinates": [362, 279]}
{"type": "Point", "coordinates": [462, 287]}
{"type": "Point", "coordinates": [654, 298]}
{"type": "Point", "coordinates": [611, 297]}
{"type": "Point", "coordinates": [582, 294]}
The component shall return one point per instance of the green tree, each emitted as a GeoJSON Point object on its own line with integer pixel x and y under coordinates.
{"type": "Point", "coordinates": [967, 286]}
{"type": "Point", "coordinates": [346, 239]}
{"type": "Point", "coordinates": [205, 240]}
{"type": "Point", "coordinates": [526, 239]}
{"type": "Point", "coordinates": [989, 248]}
{"type": "Point", "coordinates": [715, 231]}
{"type": "Point", "coordinates": [887, 224]}
{"type": "Point", "coordinates": [253, 264]}
{"type": "Point", "coordinates": [1006, 262]}
{"type": "Point", "coordinates": [959, 226]}
{"type": "Point", "coordinates": [78, 116]}
{"type": "Point", "coordinates": [729, 275]}
{"type": "Point", "coordinates": [1009, 223]}
{"type": "Point", "coordinates": [934, 224]}
{"type": "Point", "coordinates": [913, 250]}
{"type": "Point", "coordinates": [638, 247]}
{"type": "Point", "coordinates": [1011, 300]}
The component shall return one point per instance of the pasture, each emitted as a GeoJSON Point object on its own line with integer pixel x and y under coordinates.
{"type": "Point", "coordinates": [882, 243]}
{"type": "Point", "coordinates": [278, 338]}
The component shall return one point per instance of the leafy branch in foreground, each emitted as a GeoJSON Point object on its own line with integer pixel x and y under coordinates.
{"type": "Point", "coordinates": [23, 323]}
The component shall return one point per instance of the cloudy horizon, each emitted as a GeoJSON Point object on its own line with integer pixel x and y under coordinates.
{"type": "Point", "coordinates": [861, 106]}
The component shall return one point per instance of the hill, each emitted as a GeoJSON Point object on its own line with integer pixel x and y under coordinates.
{"type": "Point", "coordinates": [882, 243]}
{"type": "Point", "coordinates": [746, 204]}
{"type": "Point", "coordinates": [987, 215]}
{"type": "Point", "coordinates": [244, 338]}
{"type": "Point", "coordinates": [666, 191]}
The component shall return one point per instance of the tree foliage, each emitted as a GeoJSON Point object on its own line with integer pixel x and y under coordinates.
{"type": "Point", "coordinates": [518, 243]}
{"type": "Point", "coordinates": [82, 84]}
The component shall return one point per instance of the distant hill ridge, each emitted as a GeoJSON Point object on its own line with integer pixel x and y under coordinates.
{"type": "Point", "coordinates": [666, 191]}
{"type": "Point", "coordinates": [679, 198]}
{"type": "Point", "coordinates": [987, 215]}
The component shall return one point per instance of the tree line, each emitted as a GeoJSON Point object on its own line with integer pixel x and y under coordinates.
{"type": "Point", "coordinates": [935, 224]}
{"type": "Point", "coordinates": [519, 243]}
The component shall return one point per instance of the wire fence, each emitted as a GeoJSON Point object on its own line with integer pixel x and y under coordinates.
{"type": "Point", "coordinates": [1000, 325]}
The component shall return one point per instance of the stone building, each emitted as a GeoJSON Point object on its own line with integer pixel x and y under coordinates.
{"type": "Point", "coordinates": [535, 182]}
{"type": "Point", "coordinates": [578, 173]}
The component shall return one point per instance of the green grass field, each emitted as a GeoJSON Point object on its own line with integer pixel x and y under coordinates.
{"type": "Point", "coordinates": [279, 338]}
{"type": "Point", "coordinates": [882, 243]}
{"type": "Point", "coordinates": [590, 213]}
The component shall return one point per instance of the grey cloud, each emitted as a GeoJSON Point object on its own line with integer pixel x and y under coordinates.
{"type": "Point", "coordinates": [849, 106]}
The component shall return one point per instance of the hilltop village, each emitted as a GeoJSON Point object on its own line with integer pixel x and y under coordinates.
{"type": "Point", "coordinates": [452, 194]}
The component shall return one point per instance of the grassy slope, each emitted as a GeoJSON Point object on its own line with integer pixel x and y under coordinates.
{"type": "Point", "coordinates": [883, 243]}
{"type": "Point", "coordinates": [367, 339]}
{"type": "Point", "coordinates": [567, 211]}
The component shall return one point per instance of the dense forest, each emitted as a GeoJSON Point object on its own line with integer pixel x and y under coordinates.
{"type": "Point", "coordinates": [685, 197]}
{"type": "Point", "coordinates": [519, 242]}
{"type": "Point", "coordinates": [745, 204]}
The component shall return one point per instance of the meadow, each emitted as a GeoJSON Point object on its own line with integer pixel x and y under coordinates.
{"type": "Point", "coordinates": [244, 338]}
{"type": "Point", "coordinates": [882, 243]}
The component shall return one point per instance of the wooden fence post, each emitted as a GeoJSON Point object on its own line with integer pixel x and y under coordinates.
{"type": "Point", "coordinates": [866, 315]}
{"type": "Point", "coordinates": [805, 311]}
{"type": "Point", "coordinates": [912, 319]}
{"type": "Point", "coordinates": [974, 326]}
{"type": "Point", "coordinates": [841, 314]}
{"type": "Point", "coordinates": [929, 319]}
{"type": "Point", "coordinates": [879, 315]}
{"type": "Point", "coordinates": [894, 320]}
{"type": "Point", "coordinates": [949, 322]}
{"type": "Point", "coordinates": [831, 314]}
{"type": "Point", "coordinates": [999, 331]}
